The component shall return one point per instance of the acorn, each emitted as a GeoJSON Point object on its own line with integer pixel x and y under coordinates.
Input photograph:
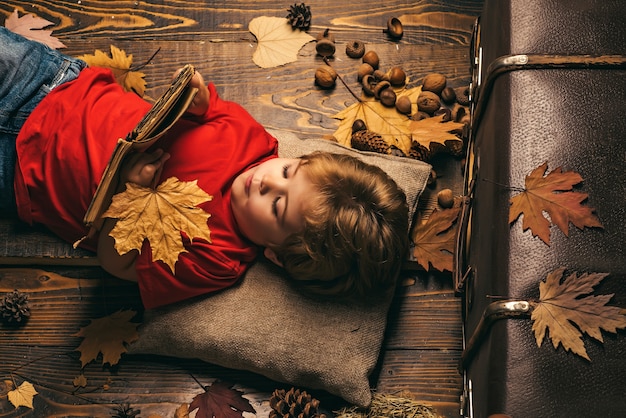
{"type": "Point", "coordinates": [368, 83]}
{"type": "Point", "coordinates": [403, 105]}
{"type": "Point", "coordinates": [448, 95]}
{"type": "Point", "coordinates": [387, 97]}
{"type": "Point", "coordinates": [358, 125]}
{"type": "Point", "coordinates": [325, 76]}
{"type": "Point", "coordinates": [355, 49]}
{"type": "Point", "coordinates": [372, 59]}
{"type": "Point", "coordinates": [364, 69]}
{"type": "Point", "coordinates": [394, 28]}
{"type": "Point", "coordinates": [380, 87]}
{"type": "Point", "coordinates": [397, 77]}
{"type": "Point", "coordinates": [325, 45]}
{"type": "Point", "coordinates": [445, 199]}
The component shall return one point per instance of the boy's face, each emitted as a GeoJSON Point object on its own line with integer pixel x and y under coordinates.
{"type": "Point", "coordinates": [268, 200]}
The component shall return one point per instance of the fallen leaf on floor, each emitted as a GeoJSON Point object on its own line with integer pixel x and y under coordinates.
{"type": "Point", "coordinates": [31, 27]}
{"type": "Point", "coordinates": [109, 336]}
{"type": "Point", "coordinates": [220, 400]}
{"type": "Point", "coordinates": [23, 395]}
{"type": "Point", "coordinates": [435, 239]}
{"type": "Point", "coordinates": [159, 216]}
{"type": "Point", "coordinates": [567, 309]}
{"type": "Point", "coordinates": [434, 130]}
{"type": "Point", "coordinates": [277, 42]}
{"type": "Point", "coordinates": [120, 63]}
{"type": "Point", "coordinates": [80, 381]}
{"type": "Point", "coordinates": [552, 194]}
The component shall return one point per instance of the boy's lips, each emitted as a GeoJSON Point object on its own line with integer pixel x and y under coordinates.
{"type": "Point", "coordinates": [247, 185]}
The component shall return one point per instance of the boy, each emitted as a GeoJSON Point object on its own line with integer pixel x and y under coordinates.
{"type": "Point", "coordinates": [334, 223]}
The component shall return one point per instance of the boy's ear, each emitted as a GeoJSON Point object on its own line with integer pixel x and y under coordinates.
{"type": "Point", "coordinates": [271, 255]}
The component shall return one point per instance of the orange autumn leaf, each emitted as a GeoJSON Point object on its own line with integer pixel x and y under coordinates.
{"type": "Point", "coordinates": [429, 130]}
{"type": "Point", "coordinates": [109, 336]}
{"type": "Point", "coordinates": [435, 239]}
{"type": "Point", "coordinates": [120, 64]}
{"type": "Point", "coordinates": [552, 194]}
{"type": "Point", "coordinates": [32, 27]}
{"type": "Point", "coordinates": [159, 216]}
{"type": "Point", "coordinates": [22, 395]}
{"type": "Point", "coordinates": [567, 310]}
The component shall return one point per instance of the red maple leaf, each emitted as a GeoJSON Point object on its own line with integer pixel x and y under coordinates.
{"type": "Point", "coordinates": [220, 400]}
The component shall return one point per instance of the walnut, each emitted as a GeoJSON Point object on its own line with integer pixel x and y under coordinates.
{"type": "Point", "coordinates": [434, 82]}
{"type": "Point", "coordinates": [428, 102]}
{"type": "Point", "coordinates": [325, 76]}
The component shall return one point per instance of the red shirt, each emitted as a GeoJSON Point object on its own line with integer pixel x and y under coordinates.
{"type": "Point", "coordinates": [64, 146]}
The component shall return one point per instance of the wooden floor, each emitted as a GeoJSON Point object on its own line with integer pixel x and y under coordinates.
{"type": "Point", "coordinates": [424, 338]}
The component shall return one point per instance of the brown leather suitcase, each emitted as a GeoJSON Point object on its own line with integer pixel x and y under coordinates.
{"type": "Point", "coordinates": [548, 86]}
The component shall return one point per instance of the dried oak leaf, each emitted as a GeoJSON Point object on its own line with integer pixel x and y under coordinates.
{"type": "Point", "coordinates": [277, 42]}
{"type": "Point", "coordinates": [220, 400]}
{"type": "Point", "coordinates": [391, 125]}
{"type": "Point", "coordinates": [23, 395]}
{"type": "Point", "coordinates": [80, 381]}
{"type": "Point", "coordinates": [563, 304]}
{"type": "Point", "coordinates": [159, 216]}
{"type": "Point", "coordinates": [31, 27]}
{"type": "Point", "coordinates": [109, 336]}
{"type": "Point", "coordinates": [434, 240]}
{"type": "Point", "coordinates": [120, 63]}
{"type": "Point", "coordinates": [429, 130]}
{"type": "Point", "coordinates": [552, 194]}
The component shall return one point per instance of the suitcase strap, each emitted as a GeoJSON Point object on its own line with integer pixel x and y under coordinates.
{"type": "Point", "coordinates": [495, 311]}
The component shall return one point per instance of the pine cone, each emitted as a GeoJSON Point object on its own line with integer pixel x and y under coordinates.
{"type": "Point", "coordinates": [299, 16]}
{"type": "Point", "coordinates": [294, 404]}
{"type": "Point", "coordinates": [419, 152]}
{"type": "Point", "coordinates": [14, 308]}
{"type": "Point", "coordinates": [125, 411]}
{"type": "Point", "coordinates": [365, 140]}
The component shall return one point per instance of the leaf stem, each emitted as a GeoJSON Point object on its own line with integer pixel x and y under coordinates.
{"type": "Point", "coordinates": [358, 99]}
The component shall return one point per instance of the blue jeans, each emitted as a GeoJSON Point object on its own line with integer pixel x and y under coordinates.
{"type": "Point", "coordinates": [30, 70]}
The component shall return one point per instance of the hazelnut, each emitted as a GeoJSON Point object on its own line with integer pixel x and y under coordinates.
{"type": "Point", "coordinates": [428, 102]}
{"type": "Point", "coordinates": [364, 69]}
{"type": "Point", "coordinates": [394, 28]}
{"type": "Point", "coordinates": [325, 76]}
{"type": "Point", "coordinates": [403, 105]}
{"type": "Point", "coordinates": [397, 77]}
{"type": "Point", "coordinates": [358, 125]}
{"type": "Point", "coordinates": [355, 49]}
{"type": "Point", "coordinates": [387, 97]}
{"type": "Point", "coordinates": [434, 82]}
{"type": "Point", "coordinates": [445, 199]}
{"type": "Point", "coordinates": [448, 95]}
{"type": "Point", "coordinates": [371, 58]}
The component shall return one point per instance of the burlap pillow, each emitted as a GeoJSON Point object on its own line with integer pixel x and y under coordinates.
{"type": "Point", "coordinates": [263, 325]}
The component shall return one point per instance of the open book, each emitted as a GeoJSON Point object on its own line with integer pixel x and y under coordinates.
{"type": "Point", "coordinates": [167, 109]}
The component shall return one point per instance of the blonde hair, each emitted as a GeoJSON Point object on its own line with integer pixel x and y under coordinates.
{"type": "Point", "coordinates": [356, 229]}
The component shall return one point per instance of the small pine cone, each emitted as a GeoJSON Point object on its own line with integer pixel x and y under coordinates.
{"type": "Point", "coordinates": [294, 403]}
{"type": "Point", "coordinates": [125, 411]}
{"type": "Point", "coordinates": [419, 152]}
{"type": "Point", "coordinates": [14, 308]}
{"type": "Point", "coordinates": [365, 140]}
{"type": "Point", "coordinates": [299, 16]}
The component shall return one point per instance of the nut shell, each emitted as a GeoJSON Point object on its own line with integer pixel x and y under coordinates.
{"type": "Point", "coordinates": [462, 95]}
{"type": "Point", "coordinates": [325, 76]}
{"type": "Point", "coordinates": [434, 82]}
{"type": "Point", "coordinates": [394, 28]}
{"type": "Point", "coordinates": [428, 102]}
{"type": "Point", "coordinates": [325, 47]}
{"type": "Point", "coordinates": [371, 57]}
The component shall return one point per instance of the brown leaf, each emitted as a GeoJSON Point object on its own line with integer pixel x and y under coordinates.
{"type": "Point", "coordinates": [31, 27]}
{"type": "Point", "coordinates": [552, 194]}
{"type": "Point", "coordinates": [80, 381]}
{"type": "Point", "coordinates": [387, 122]}
{"type": "Point", "coordinates": [220, 401]}
{"type": "Point", "coordinates": [429, 130]}
{"type": "Point", "coordinates": [564, 304]}
{"type": "Point", "coordinates": [109, 336]}
{"type": "Point", "coordinates": [23, 395]}
{"type": "Point", "coordinates": [159, 216]}
{"type": "Point", "coordinates": [435, 239]}
{"type": "Point", "coordinates": [278, 42]}
{"type": "Point", "coordinates": [120, 63]}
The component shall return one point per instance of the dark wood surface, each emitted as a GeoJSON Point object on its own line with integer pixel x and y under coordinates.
{"type": "Point", "coordinates": [424, 338]}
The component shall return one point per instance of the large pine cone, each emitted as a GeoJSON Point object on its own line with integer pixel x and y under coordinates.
{"type": "Point", "coordinates": [294, 404]}
{"type": "Point", "coordinates": [14, 308]}
{"type": "Point", "coordinates": [366, 140]}
{"type": "Point", "coordinates": [299, 16]}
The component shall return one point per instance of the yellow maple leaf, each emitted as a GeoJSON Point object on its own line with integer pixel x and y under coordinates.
{"type": "Point", "coordinates": [120, 63]}
{"type": "Point", "coordinates": [391, 125]}
{"type": "Point", "coordinates": [23, 395]}
{"type": "Point", "coordinates": [159, 216]}
{"type": "Point", "coordinates": [108, 336]}
{"type": "Point", "coordinates": [429, 130]}
{"type": "Point", "coordinates": [563, 304]}
{"type": "Point", "coordinates": [278, 42]}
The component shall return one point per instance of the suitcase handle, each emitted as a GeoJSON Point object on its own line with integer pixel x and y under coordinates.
{"type": "Point", "coordinates": [493, 312]}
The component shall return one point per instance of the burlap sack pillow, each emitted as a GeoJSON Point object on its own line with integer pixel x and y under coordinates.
{"type": "Point", "coordinates": [263, 325]}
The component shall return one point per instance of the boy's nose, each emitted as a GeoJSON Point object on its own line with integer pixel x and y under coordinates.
{"type": "Point", "coordinates": [271, 183]}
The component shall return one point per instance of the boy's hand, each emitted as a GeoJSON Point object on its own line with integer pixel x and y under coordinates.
{"type": "Point", "coordinates": [200, 103]}
{"type": "Point", "coordinates": [144, 168]}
